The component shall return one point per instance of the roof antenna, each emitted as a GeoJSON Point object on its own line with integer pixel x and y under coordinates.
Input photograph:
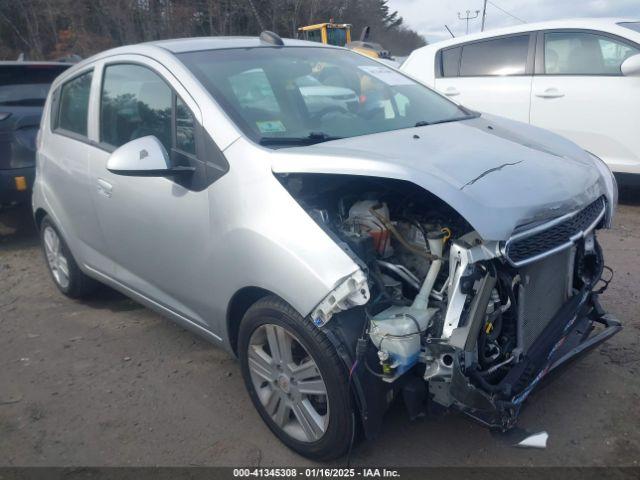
{"type": "Point", "coordinates": [272, 38]}
{"type": "Point", "coordinates": [449, 30]}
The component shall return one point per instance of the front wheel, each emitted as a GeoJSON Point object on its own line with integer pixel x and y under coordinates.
{"type": "Point", "coordinates": [296, 380]}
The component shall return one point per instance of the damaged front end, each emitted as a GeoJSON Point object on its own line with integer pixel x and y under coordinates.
{"type": "Point", "coordinates": [515, 317]}
{"type": "Point", "coordinates": [437, 313]}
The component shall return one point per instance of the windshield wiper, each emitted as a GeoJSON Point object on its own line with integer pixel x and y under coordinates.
{"type": "Point", "coordinates": [424, 123]}
{"type": "Point", "coordinates": [311, 139]}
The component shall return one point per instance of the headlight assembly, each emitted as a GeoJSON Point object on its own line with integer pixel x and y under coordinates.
{"type": "Point", "coordinates": [612, 185]}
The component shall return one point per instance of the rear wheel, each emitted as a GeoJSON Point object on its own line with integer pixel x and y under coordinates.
{"type": "Point", "coordinates": [296, 380]}
{"type": "Point", "coordinates": [64, 270]}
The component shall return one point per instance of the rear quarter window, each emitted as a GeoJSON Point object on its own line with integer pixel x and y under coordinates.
{"type": "Point", "coordinates": [73, 105]}
{"type": "Point", "coordinates": [451, 61]}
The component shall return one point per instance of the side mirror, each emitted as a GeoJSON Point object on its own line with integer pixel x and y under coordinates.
{"type": "Point", "coordinates": [631, 66]}
{"type": "Point", "coordinates": [143, 157]}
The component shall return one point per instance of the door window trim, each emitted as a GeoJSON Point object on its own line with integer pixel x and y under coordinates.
{"type": "Point", "coordinates": [174, 127]}
{"type": "Point", "coordinates": [210, 158]}
{"type": "Point", "coordinates": [107, 147]}
{"type": "Point", "coordinates": [55, 107]}
{"type": "Point", "coordinates": [539, 57]}
{"type": "Point", "coordinates": [529, 65]}
{"type": "Point", "coordinates": [439, 65]}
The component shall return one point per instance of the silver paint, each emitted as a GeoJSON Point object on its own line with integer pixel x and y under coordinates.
{"type": "Point", "coordinates": [497, 178]}
{"type": "Point", "coordinates": [141, 154]}
{"type": "Point", "coordinates": [187, 254]}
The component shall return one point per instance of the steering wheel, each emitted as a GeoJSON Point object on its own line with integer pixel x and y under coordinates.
{"type": "Point", "coordinates": [371, 112]}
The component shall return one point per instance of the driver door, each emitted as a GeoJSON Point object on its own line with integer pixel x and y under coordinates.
{"type": "Point", "coordinates": [156, 228]}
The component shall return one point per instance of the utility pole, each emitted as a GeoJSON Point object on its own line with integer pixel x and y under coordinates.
{"type": "Point", "coordinates": [468, 17]}
{"type": "Point", "coordinates": [484, 15]}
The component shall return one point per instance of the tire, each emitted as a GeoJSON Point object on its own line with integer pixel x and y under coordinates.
{"type": "Point", "coordinates": [63, 268]}
{"type": "Point", "coordinates": [293, 394]}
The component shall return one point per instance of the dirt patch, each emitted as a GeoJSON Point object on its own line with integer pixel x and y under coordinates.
{"type": "Point", "coordinates": [108, 382]}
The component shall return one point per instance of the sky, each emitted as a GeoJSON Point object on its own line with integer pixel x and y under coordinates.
{"type": "Point", "coordinates": [428, 17]}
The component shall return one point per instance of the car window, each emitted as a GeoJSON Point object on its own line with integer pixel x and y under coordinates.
{"type": "Point", "coordinates": [579, 53]}
{"type": "Point", "coordinates": [73, 109]}
{"type": "Point", "coordinates": [27, 85]}
{"type": "Point", "coordinates": [135, 102]}
{"type": "Point", "coordinates": [313, 35]}
{"type": "Point", "coordinates": [309, 93]}
{"type": "Point", "coordinates": [498, 57]}
{"type": "Point", "coordinates": [337, 36]}
{"type": "Point", "coordinates": [185, 128]}
{"type": "Point", "coordinates": [451, 61]}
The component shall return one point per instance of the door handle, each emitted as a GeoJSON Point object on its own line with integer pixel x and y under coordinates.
{"type": "Point", "coordinates": [451, 92]}
{"type": "Point", "coordinates": [550, 93]}
{"type": "Point", "coordinates": [105, 188]}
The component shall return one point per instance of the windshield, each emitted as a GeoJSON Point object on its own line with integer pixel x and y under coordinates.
{"type": "Point", "coordinates": [631, 25]}
{"type": "Point", "coordinates": [297, 95]}
{"type": "Point", "coordinates": [27, 85]}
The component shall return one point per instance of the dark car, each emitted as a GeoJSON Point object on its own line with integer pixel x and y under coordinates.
{"type": "Point", "coordinates": [23, 91]}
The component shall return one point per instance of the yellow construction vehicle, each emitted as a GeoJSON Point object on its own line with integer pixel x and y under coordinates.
{"type": "Point", "coordinates": [339, 34]}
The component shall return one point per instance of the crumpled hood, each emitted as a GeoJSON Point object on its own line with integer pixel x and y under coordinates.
{"type": "Point", "coordinates": [497, 173]}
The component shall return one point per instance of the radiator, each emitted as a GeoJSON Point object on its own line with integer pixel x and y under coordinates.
{"type": "Point", "coordinates": [544, 289]}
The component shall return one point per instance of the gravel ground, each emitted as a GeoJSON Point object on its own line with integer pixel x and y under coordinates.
{"type": "Point", "coordinates": [107, 382]}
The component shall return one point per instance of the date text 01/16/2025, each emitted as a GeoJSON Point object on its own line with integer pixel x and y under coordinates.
{"type": "Point", "coordinates": [316, 472]}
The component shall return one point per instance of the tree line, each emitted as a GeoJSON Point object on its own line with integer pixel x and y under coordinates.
{"type": "Point", "coordinates": [52, 29]}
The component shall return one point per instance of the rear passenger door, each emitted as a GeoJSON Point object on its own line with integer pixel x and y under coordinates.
{"type": "Point", "coordinates": [63, 160]}
{"type": "Point", "coordinates": [492, 76]}
{"type": "Point", "coordinates": [579, 92]}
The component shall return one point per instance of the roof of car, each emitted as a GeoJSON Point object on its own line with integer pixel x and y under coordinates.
{"type": "Point", "coordinates": [182, 45]}
{"type": "Point", "coordinates": [578, 23]}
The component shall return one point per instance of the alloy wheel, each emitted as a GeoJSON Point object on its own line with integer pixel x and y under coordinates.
{"type": "Point", "coordinates": [288, 383]}
{"type": "Point", "coordinates": [56, 259]}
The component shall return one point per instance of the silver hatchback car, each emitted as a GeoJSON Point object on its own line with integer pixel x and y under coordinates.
{"type": "Point", "coordinates": [380, 241]}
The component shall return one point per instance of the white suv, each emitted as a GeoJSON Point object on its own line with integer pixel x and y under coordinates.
{"type": "Point", "coordinates": [579, 78]}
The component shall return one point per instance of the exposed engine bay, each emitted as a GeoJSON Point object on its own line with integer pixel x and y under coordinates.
{"type": "Point", "coordinates": [475, 321]}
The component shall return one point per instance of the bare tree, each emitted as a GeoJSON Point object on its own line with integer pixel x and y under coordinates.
{"type": "Point", "coordinates": [45, 29]}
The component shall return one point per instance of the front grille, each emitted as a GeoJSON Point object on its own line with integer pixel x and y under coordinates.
{"type": "Point", "coordinates": [526, 247]}
{"type": "Point", "coordinates": [544, 289]}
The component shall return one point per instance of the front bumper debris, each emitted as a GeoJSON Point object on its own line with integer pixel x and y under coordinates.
{"type": "Point", "coordinates": [579, 326]}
